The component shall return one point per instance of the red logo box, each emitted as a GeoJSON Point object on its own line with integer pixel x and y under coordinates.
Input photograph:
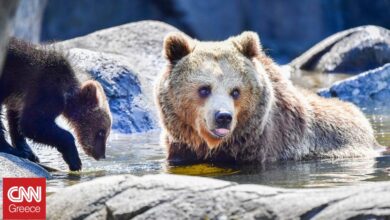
{"type": "Point", "coordinates": [24, 198]}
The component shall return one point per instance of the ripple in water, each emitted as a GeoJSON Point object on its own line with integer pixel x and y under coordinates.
{"type": "Point", "coordinates": [141, 154]}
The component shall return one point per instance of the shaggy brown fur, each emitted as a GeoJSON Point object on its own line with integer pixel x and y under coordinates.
{"type": "Point", "coordinates": [271, 119]}
{"type": "Point", "coordinates": [38, 85]}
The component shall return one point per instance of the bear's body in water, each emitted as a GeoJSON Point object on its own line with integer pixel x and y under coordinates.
{"type": "Point", "coordinates": [228, 102]}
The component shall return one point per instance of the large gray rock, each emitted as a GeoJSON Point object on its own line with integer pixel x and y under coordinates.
{"type": "Point", "coordinates": [352, 51]}
{"type": "Point", "coordinates": [368, 90]}
{"type": "Point", "coordinates": [182, 197]}
{"type": "Point", "coordinates": [12, 166]}
{"type": "Point", "coordinates": [126, 60]}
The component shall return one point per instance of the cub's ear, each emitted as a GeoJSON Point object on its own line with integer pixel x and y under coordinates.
{"type": "Point", "coordinates": [248, 43]}
{"type": "Point", "coordinates": [90, 93]}
{"type": "Point", "coordinates": [176, 46]}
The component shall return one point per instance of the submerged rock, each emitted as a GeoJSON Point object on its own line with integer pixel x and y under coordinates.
{"type": "Point", "coordinates": [12, 166]}
{"type": "Point", "coordinates": [370, 89]}
{"type": "Point", "coordinates": [351, 51]}
{"type": "Point", "coordinates": [183, 197]}
{"type": "Point", "coordinates": [126, 60]}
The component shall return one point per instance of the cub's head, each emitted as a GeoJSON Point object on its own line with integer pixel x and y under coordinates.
{"type": "Point", "coordinates": [209, 89]}
{"type": "Point", "coordinates": [90, 118]}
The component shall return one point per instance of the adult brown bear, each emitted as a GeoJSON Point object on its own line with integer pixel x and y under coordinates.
{"type": "Point", "coordinates": [228, 101]}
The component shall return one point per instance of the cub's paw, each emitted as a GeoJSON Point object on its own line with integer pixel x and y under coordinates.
{"type": "Point", "coordinates": [73, 162]}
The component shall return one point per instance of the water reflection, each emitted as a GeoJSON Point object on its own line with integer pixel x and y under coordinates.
{"type": "Point", "coordinates": [141, 154]}
{"type": "Point", "coordinates": [136, 154]}
{"type": "Point", "coordinates": [323, 173]}
{"type": "Point", "coordinates": [208, 170]}
{"type": "Point", "coordinates": [380, 120]}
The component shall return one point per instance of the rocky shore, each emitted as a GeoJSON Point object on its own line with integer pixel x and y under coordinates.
{"type": "Point", "coordinates": [183, 197]}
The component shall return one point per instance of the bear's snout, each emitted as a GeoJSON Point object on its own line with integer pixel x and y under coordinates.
{"type": "Point", "coordinates": [99, 151]}
{"type": "Point", "coordinates": [223, 119]}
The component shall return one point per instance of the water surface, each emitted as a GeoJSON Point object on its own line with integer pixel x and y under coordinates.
{"type": "Point", "coordinates": [141, 154]}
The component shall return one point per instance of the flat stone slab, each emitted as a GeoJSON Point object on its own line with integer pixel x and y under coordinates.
{"type": "Point", "coordinates": [166, 196]}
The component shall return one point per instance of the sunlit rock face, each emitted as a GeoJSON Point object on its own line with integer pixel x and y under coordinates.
{"type": "Point", "coordinates": [369, 90]}
{"type": "Point", "coordinates": [359, 58]}
{"type": "Point", "coordinates": [184, 197]}
{"type": "Point", "coordinates": [351, 51]}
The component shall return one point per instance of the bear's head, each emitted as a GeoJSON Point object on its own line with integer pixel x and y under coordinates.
{"type": "Point", "coordinates": [210, 89]}
{"type": "Point", "coordinates": [90, 118]}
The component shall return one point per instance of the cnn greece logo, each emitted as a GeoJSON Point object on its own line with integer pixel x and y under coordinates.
{"type": "Point", "coordinates": [23, 194]}
{"type": "Point", "coordinates": [24, 198]}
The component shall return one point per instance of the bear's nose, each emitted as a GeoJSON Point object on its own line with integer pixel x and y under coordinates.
{"type": "Point", "coordinates": [223, 119]}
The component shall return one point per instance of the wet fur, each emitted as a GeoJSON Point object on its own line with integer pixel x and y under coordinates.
{"type": "Point", "coordinates": [277, 122]}
{"type": "Point", "coordinates": [36, 86]}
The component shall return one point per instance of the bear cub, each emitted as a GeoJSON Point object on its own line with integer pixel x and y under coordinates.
{"type": "Point", "coordinates": [36, 86]}
{"type": "Point", "coordinates": [228, 102]}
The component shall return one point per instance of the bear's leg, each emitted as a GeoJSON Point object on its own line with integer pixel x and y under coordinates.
{"type": "Point", "coordinates": [38, 123]}
{"type": "Point", "coordinates": [180, 154]}
{"type": "Point", "coordinates": [5, 147]}
{"type": "Point", "coordinates": [17, 139]}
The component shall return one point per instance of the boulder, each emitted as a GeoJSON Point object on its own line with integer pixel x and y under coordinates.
{"type": "Point", "coordinates": [12, 166]}
{"type": "Point", "coordinates": [126, 60]}
{"type": "Point", "coordinates": [368, 90]}
{"type": "Point", "coordinates": [351, 51]}
{"type": "Point", "coordinates": [182, 197]}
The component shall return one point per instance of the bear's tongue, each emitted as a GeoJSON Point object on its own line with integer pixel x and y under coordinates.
{"type": "Point", "coordinates": [222, 131]}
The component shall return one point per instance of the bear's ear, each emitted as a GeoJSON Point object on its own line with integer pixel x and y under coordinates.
{"type": "Point", "coordinates": [89, 94]}
{"type": "Point", "coordinates": [176, 46]}
{"type": "Point", "coordinates": [248, 43]}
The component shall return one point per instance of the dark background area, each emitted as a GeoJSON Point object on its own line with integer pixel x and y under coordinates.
{"type": "Point", "coordinates": [286, 28]}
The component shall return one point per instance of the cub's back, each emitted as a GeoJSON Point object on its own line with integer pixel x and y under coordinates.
{"type": "Point", "coordinates": [20, 67]}
{"type": "Point", "coordinates": [30, 66]}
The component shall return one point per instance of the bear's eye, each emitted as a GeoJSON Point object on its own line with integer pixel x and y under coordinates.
{"type": "Point", "coordinates": [235, 93]}
{"type": "Point", "coordinates": [204, 91]}
{"type": "Point", "coordinates": [102, 133]}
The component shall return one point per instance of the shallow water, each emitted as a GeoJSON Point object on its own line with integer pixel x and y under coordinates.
{"type": "Point", "coordinates": [141, 154]}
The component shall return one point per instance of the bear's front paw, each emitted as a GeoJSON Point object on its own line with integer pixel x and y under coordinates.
{"type": "Point", "coordinates": [73, 162]}
{"type": "Point", "coordinates": [75, 167]}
